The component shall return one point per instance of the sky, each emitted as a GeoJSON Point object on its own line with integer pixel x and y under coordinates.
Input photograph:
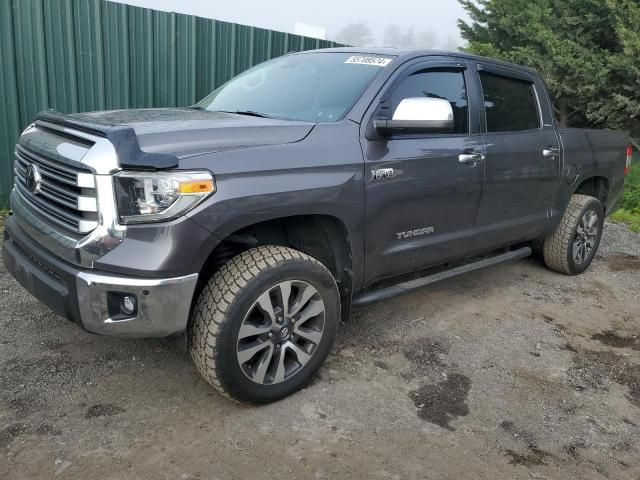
{"type": "Point", "coordinates": [433, 17]}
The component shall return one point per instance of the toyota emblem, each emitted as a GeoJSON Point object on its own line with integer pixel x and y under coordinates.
{"type": "Point", "coordinates": [33, 179]}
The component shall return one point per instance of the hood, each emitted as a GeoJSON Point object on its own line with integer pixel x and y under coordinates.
{"type": "Point", "coordinates": [185, 132]}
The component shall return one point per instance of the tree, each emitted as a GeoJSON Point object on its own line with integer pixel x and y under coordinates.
{"type": "Point", "coordinates": [355, 34]}
{"type": "Point", "coordinates": [575, 44]}
{"type": "Point", "coordinates": [624, 107]}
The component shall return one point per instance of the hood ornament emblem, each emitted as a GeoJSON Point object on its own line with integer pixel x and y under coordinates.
{"type": "Point", "coordinates": [33, 179]}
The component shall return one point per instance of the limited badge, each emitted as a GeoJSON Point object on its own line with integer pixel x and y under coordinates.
{"type": "Point", "coordinates": [375, 61]}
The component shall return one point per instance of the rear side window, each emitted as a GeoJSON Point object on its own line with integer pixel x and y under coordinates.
{"type": "Point", "coordinates": [510, 104]}
{"type": "Point", "coordinates": [445, 84]}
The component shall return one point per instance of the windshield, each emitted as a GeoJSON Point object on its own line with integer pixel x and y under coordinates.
{"type": "Point", "coordinates": [314, 87]}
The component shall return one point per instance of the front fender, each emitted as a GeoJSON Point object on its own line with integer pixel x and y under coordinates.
{"type": "Point", "coordinates": [320, 175]}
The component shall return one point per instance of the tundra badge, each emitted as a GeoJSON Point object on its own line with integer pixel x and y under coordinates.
{"type": "Point", "coordinates": [415, 233]}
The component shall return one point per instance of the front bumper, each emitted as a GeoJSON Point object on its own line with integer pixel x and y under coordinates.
{"type": "Point", "coordinates": [83, 295]}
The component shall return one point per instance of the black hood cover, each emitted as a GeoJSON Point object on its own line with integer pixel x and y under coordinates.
{"type": "Point", "coordinates": [158, 138]}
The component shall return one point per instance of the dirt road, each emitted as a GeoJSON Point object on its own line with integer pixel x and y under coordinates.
{"type": "Point", "coordinates": [514, 372]}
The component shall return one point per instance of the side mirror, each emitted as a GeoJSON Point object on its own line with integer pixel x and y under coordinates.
{"type": "Point", "coordinates": [418, 115]}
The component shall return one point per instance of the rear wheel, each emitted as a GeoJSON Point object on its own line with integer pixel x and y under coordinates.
{"type": "Point", "coordinates": [574, 244]}
{"type": "Point", "coordinates": [264, 324]}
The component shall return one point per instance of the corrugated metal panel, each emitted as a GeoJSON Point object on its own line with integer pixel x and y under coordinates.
{"type": "Point", "coordinates": [61, 67]}
{"type": "Point", "coordinates": [31, 73]}
{"type": "Point", "coordinates": [10, 128]}
{"type": "Point", "coordinates": [115, 24]}
{"type": "Point", "coordinates": [141, 57]}
{"type": "Point", "coordinates": [186, 48]}
{"type": "Point", "coordinates": [73, 55]}
{"type": "Point", "coordinates": [88, 52]}
{"type": "Point", "coordinates": [164, 59]}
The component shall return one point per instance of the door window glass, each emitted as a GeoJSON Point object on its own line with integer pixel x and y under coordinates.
{"type": "Point", "coordinates": [510, 104]}
{"type": "Point", "coordinates": [445, 84]}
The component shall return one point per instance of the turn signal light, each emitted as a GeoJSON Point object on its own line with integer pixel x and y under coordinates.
{"type": "Point", "coordinates": [199, 186]}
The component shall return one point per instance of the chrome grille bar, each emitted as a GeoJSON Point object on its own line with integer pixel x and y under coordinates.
{"type": "Point", "coordinates": [66, 193]}
{"type": "Point", "coordinates": [77, 224]}
{"type": "Point", "coordinates": [63, 173]}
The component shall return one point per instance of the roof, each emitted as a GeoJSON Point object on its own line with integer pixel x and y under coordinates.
{"type": "Point", "coordinates": [408, 54]}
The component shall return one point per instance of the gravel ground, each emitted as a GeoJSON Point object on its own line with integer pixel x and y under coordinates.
{"type": "Point", "coordinates": [514, 372]}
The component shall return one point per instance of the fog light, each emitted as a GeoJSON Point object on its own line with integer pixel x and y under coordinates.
{"type": "Point", "coordinates": [128, 304]}
{"type": "Point", "coordinates": [122, 305]}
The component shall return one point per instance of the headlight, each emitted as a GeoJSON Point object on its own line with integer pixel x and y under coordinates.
{"type": "Point", "coordinates": [156, 196]}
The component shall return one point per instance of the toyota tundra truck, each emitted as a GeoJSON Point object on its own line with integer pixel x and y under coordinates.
{"type": "Point", "coordinates": [256, 219]}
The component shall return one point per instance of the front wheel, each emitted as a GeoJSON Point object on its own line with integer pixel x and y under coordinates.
{"type": "Point", "coordinates": [574, 244]}
{"type": "Point", "coordinates": [264, 324]}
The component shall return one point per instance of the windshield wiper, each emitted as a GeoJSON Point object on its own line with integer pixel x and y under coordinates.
{"type": "Point", "coordinates": [250, 113]}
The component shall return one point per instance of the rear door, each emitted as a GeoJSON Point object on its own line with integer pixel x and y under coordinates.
{"type": "Point", "coordinates": [421, 201]}
{"type": "Point", "coordinates": [522, 165]}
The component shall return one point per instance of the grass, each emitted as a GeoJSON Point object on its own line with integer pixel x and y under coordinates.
{"type": "Point", "coordinates": [630, 211]}
{"type": "Point", "coordinates": [630, 218]}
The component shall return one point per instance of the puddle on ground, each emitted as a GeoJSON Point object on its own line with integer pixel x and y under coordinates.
{"type": "Point", "coordinates": [106, 410]}
{"type": "Point", "coordinates": [533, 457]}
{"type": "Point", "coordinates": [614, 340]}
{"type": "Point", "coordinates": [426, 352]}
{"type": "Point", "coordinates": [443, 402]}
{"type": "Point", "coordinates": [593, 369]}
{"type": "Point", "coordinates": [622, 262]}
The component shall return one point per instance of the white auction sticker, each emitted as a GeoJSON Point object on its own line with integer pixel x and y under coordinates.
{"type": "Point", "coordinates": [375, 61]}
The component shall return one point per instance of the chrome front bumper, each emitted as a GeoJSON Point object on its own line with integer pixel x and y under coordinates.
{"type": "Point", "coordinates": [83, 296]}
{"type": "Point", "coordinates": [163, 304]}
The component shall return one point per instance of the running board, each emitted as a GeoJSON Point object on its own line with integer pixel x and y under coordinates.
{"type": "Point", "coordinates": [410, 286]}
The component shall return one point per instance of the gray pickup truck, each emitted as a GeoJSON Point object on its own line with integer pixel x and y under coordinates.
{"type": "Point", "coordinates": [255, 219]}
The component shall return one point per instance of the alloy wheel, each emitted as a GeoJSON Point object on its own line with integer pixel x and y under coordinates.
{"type": "Point", "coordinates": [586, 236]}
{"type": "Point", "coordinates": [281, 332]}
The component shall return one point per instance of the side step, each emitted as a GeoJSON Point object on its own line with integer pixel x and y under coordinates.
{"type": "Point", "coordinates": [410, 286]}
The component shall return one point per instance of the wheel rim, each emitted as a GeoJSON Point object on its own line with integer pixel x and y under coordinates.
{"type": "Point", "coordinates": [586, 236]}
{"type": "Point", "coordinates": [281, 332]}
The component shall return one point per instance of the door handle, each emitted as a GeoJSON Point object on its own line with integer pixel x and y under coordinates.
{"type": "Point", "coordinates": [550, 152]}
{"type": "Point", "coordinates": [471, 158]}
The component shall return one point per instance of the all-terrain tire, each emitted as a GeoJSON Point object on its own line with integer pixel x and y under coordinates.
{"type": "Point", "coordinates": [558, 248]}
{"type": "Point", "coordinates": [226, 300]}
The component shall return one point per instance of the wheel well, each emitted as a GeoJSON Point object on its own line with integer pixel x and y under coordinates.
{"type": "Point", "coordinates": [323, 237]}
{"type": "Point", "coordinates": [597, 187]}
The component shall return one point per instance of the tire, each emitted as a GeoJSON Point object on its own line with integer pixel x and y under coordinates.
{"type": "Point", "coordinates": [571, 249]}
{"type": "Point", "coordinates": [268, 360]}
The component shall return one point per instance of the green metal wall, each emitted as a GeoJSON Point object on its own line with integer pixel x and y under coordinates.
{"type": "Point", "coordinates": [81, 55]}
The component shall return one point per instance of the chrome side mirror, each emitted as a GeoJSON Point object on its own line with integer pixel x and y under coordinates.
{"type": "Point", "coordinates": [418, 115]}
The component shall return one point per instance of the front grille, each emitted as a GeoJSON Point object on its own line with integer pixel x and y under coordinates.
{"type": "Point", "coordinates": [66, 196]}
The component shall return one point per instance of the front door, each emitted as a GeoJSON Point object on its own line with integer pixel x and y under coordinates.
{"type": "Point", "coordinates": [421, 195]}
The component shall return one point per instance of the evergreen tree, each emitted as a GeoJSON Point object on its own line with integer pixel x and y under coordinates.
{"type": "Point", "coordinates": [586, 50]}
{"type": "Point", "coordinates": [624, 107]}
